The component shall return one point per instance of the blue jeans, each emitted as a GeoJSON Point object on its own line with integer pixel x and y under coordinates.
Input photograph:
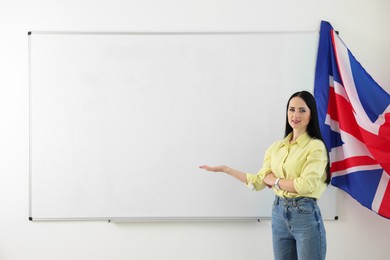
{"type": "Point", "coordinates": [297, 229]}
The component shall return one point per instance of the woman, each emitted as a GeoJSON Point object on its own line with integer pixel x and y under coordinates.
{"type": "Point", "coordinates": [297, 169]}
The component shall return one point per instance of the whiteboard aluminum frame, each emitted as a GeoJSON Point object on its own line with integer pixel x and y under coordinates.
{"type": "Point", "coordinates": [138, 219]}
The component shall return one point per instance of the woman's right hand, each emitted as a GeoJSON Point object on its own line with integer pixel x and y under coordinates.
{"type": "Point", "coordinates": [221, 168]}
{"type": "Point", "coordinates": [241, 176]}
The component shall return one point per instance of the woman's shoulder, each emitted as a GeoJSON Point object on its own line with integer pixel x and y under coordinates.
{"type": "Point", "coordinates": [278, 143]}
{"type": "Point", "coordinates": [316, 143]}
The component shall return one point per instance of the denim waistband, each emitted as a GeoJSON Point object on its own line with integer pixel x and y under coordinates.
{"type": "Point", "coordinates": [293, 201]}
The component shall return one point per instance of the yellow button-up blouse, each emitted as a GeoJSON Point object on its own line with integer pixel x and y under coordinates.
{"type": "Point", "coordinates": [303, 161]}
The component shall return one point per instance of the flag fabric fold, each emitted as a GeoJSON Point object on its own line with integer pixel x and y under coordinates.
{"type": "Point", "coordinates": [354, 115]}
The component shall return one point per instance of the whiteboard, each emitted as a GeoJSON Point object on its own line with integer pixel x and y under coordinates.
{"type": "Point", "coordinates": [120, 122]}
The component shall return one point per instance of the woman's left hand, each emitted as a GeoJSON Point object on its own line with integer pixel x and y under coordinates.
{"type": "Point", "coordinates": [269, 179]}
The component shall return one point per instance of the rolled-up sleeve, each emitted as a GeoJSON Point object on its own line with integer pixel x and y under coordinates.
{"type": "Point", "coordinates": [313, 170]}
{"type": "Point", "coordinates": [255, 181]}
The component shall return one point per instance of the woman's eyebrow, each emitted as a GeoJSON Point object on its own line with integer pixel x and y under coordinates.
{"type": "Point", "coordinates": [298, 107]}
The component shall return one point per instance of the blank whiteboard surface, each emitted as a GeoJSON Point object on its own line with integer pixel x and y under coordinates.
{"type": "Point", "coordinates": [119, 123]}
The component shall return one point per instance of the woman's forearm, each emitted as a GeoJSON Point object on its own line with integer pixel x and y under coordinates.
{"type": "Point", "coordinates": [287, 185]}
{"type": "Point", "coordinates": [241, 176]}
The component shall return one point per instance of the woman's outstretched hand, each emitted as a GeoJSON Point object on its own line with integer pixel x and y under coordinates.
{"type": "Point", "coordinates": [221, 168]}
{"type": "Point", "coordinates": [241, 176]}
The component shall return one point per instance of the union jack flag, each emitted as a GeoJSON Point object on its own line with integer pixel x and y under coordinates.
{"type": "Point", "coordinates": [354, 114]}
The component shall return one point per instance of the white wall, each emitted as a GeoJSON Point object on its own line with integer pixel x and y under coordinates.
{"type": "Point", "coordinates": [359, 234]}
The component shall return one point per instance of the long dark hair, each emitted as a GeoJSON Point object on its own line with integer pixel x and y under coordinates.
{"type": "Point", "coordinates": [313, 129]}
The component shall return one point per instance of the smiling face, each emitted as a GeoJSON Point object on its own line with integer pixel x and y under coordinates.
{"type": "Point", "coordinates": [298, 115]}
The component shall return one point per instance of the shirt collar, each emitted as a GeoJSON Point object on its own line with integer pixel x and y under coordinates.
{"type": "Point", "coordinates": [301, 140]}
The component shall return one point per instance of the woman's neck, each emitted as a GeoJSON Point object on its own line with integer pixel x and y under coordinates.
{"type": "Point", "coordinates": [296, 134]}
